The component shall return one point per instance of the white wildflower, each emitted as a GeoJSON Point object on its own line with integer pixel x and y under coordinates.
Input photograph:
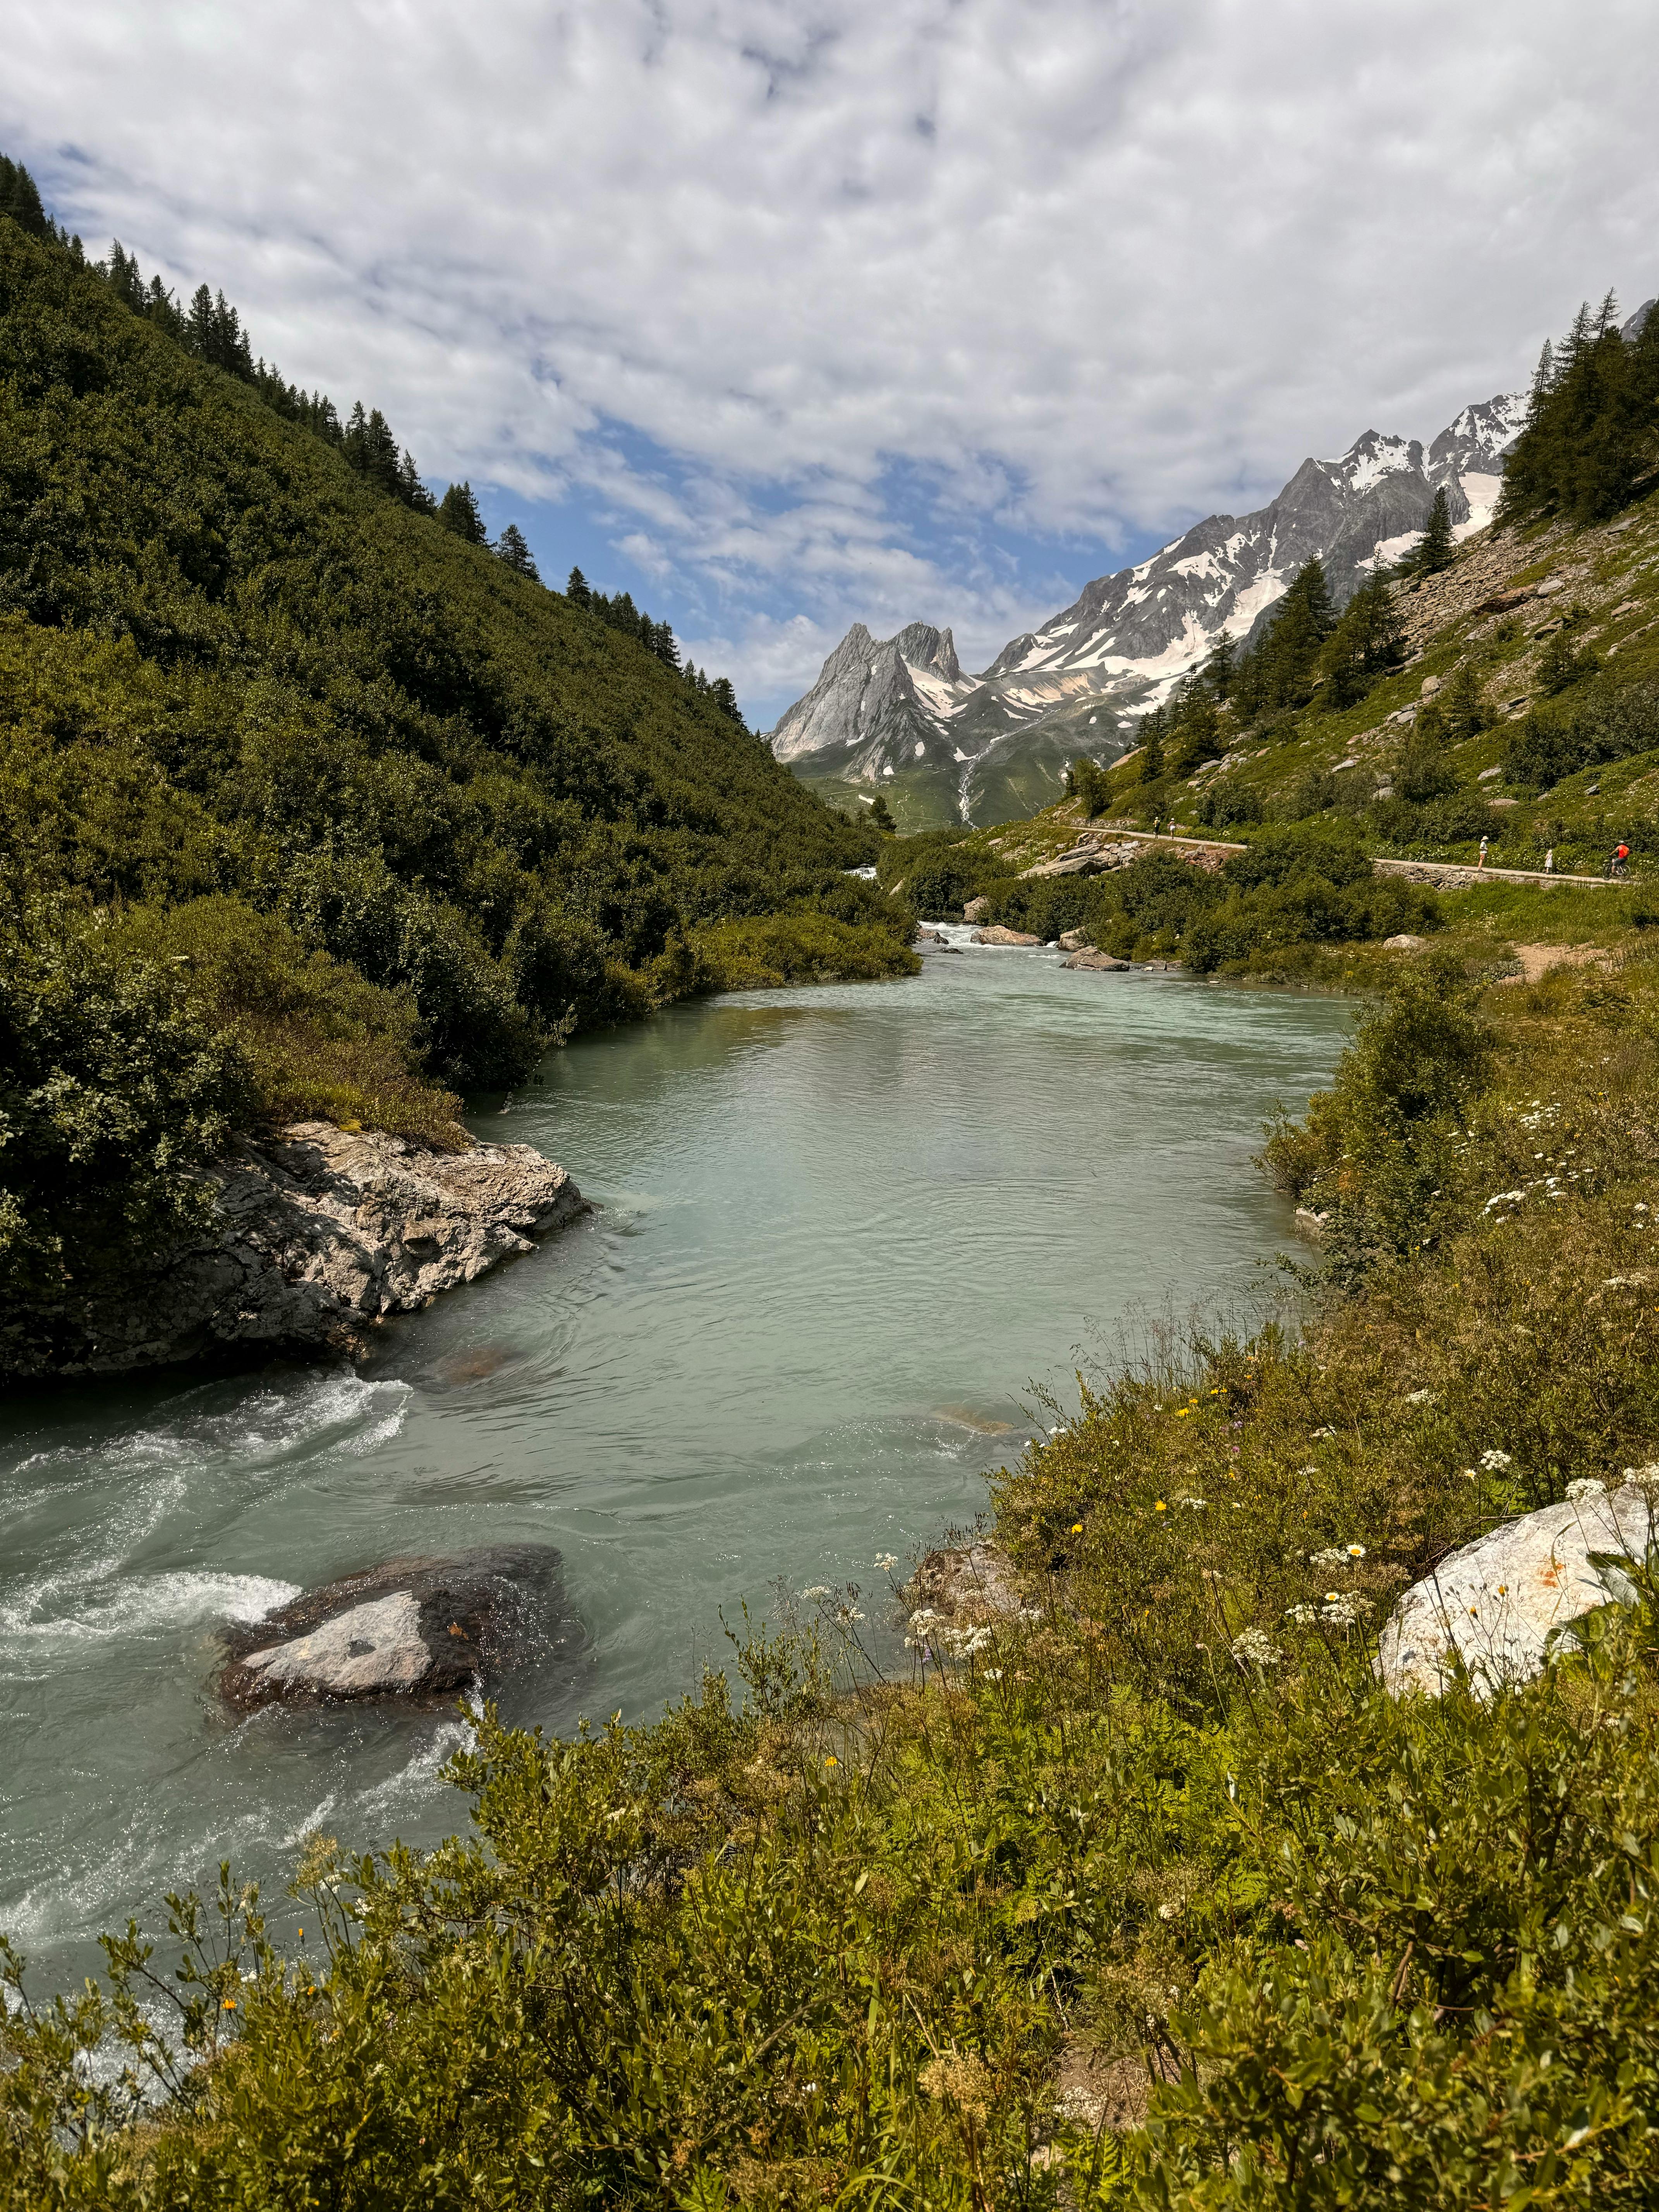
{"type": "Point", "coordinates": [1586, 1486]}
{"type": "Point", "coordinates": [1356, 1551]}
{"type": "Point", "coordinates": [1419, 1397]}
{"type": "Point", "coordinates": [886, 1563]}
{"type": "Point", "coordinates": [1196, 1505]}
{"type": "Point", "coordinates": [1332, 1556]}
{"type": "Point", "coordinates": [1253, 1648]}
{"type": "Point", "coordinates": [924, 1621]}
{"type": "Point", "coordinates": [994, 1674]}
{"type": "Point", "coordinates": [1495, 1462]}
{"type": "Point", "coordinates": [1302, 1615]}
{"type": "Point", "coordinates": [1344, 1609]}
{"type": "Point", "coordinates": [818, 1589]}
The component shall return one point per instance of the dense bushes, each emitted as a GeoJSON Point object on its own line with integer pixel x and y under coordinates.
{"type": "Point", "coordinates": [112, 1091]}
{"type": "Point", "coordinates": [1311, 882]}
{"type": "Point", "coordinates": [1605, 722]}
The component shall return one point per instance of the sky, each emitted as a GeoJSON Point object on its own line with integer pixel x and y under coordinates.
{"type": "Point", "coordinates": [784, 314]}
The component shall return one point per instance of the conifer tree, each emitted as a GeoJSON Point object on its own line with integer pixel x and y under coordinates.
{"type": "Point", "coordinates": [19, 198]}
{"type": "Point", "coordinates": [722, 696]}
{"type": "Point", "coordinates": [1290, 649]}
{"type": "Point", "coordinates": [1365, 642]}
{"type": "Point", "coordinates": [512, 548]}
{"type": "Point", "coordinates": [1465, 710]}
{"type": "Point", "coordinates": [1217, 672]}
{"type": "Point", "coordinates": [882, 815]}
{"type": "Point", "coordinates": [664, 645]}
{"type": "Point", "coordinates": [1433, 550]}
{"type": "Point", "coordinates": [1425, 771]}
{"type": "Point", "coordinates": [1151, 745]}
{"type": "Point", "coordinates": [457, 511]}
{"type": "Point", "coordinates": [576, 589]}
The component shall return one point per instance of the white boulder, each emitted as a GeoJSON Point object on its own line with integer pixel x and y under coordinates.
{"type": "Point", "coordinates": [1496, 1603]}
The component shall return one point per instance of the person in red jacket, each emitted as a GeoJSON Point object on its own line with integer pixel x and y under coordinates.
{"type": "Point", "coordinates": [1620, 864]}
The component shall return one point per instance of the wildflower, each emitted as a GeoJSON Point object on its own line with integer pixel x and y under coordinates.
{"type": "Point", "coordinates": [1586, 1486]}
{"type": "Point", "coordinates": [1496, 1461]}
{"type": "Point", "coordinates": [849, 1613]}
{"type": "Point", "coordinates": [886, 1563]}
{"type": "Point", "coordinates": [1330, 1557]}
{"type": "Point", "coordinates": [1356, 1551]}
{"type": "Point", "coordinates": [832, 1760]}
{"type": "Point", "coordinates": [1160, 1507]}
{"type": "Point", "coordinates": [1194, 1504]}
{"type": "Point", "coordinates": [1301, 1615]}
{"type": "Point", "coordinates": [1181, 1412]}
{"type": "Point", "coordinates": [994, 1674]}
{"type": "Point", "coordinates": [1254, 1647]}
{"type": "Point", "coordinates": [1419, 1397]}
{"type": "Point", "coordinates": [1077, 1527]}
{"type": "Point", "coordinates": [818, 1589]}
{"type": "Point", "coordinates": [229, 2004]}
{"type": "Point", "coordinates": [1345, 1608]}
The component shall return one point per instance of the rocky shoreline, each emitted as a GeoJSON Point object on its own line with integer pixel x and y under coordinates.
{"type": "Point", "coordinates": [318, 1235]}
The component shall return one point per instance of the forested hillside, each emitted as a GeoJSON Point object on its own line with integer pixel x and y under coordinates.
{"type": "Point", "coordinates": [308, 801]}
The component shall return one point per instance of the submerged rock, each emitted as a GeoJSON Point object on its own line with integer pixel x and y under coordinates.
{"type": "Point", "coordinates": [419, 1629]}
{"type": "Point", "coordinates": [319, 1234]}
{"type": "Point", "coordinates": [1495, 1604]}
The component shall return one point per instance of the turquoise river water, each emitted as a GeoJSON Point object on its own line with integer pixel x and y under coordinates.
{"type": "Point", "coordinates": [839, 1233]}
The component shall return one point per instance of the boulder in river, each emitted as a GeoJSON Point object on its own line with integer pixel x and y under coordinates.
{"type": "Point", "coordinates": [998, 935]}
{"type": "Point", "coordinates": [421, 1630]}
{"type": "Point", "coordinates": [1496, 1604]}
{"type": "Point", "coordinates": [318, 1234]}
{"type": "Point", "coordinates": [1086, 956]}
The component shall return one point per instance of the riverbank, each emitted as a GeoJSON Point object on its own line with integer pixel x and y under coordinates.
{"type": "Point", "coordinates": [311, 1240]}
{"type": "Point", "coordinates": [1149, 1891]}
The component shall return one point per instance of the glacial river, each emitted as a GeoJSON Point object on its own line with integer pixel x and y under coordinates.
{"type": "Point", "coordinates": [839, 1234]}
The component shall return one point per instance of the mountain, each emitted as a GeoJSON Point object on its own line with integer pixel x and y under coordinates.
{"type": "Point", "coordinates": [900, 713]}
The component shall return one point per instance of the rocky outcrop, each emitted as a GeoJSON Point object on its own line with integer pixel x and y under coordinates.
{"type": "Point", "coordinates": [1495, 1606]}
{"type": "Point", "coordinates": [318, 1234]}
{"type": "Point", "coordinates": [422, 1630]}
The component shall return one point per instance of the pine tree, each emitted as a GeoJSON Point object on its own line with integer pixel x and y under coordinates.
{"type": "Point", "coordinates": [1151, 745]}
{"type": "Point", "coordinates": [1465, 709]}
{"type": "Point", "coordinates": [198, 323]}
{"type": "Point", "coordinates": [576, 589]}
{"type": "Point", "coordinates": [19, 198]}
{"type": "Point", "coordinates": [1433, 550]}
{"type": "Point", "coordinates": [1217, 672]}
{"type": "Point", "coordinates": [457, 511]}
{"type": "Point", "coordinates": [512, 548]}
{"type": "Point", "coordinates": [1291, 646]}
{"type": "Point", "coordinates": [880, 813]}
{"type": "Point", "coordinates": [411, 489]}
{"type": "Point", "coordinates": [722, 696]}
{"type": "Point", "coordinates": [663, 644]}
{"type": "Point", "coordinates": [1366, 642]}
{"type": "Point", "coordinates": [1425, 771]}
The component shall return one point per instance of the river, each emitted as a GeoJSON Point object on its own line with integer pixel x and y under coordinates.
{"type": "Point", "coordinates": [839, 1234]}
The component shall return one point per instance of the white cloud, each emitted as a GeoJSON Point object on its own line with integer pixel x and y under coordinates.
{"type": "Point", "coordinates": [1085, 268]}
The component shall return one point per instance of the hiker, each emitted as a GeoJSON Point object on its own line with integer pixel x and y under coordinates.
{"type": "Point", "coordinates": [1482, 861]}
{"type": "Point", "coordinates": [1620, 864]}
{"type": "Point", "coordinates": [1549, 862]}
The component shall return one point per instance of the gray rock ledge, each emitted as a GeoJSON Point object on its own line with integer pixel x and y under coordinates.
{"type": "Point", "coordinates": [421, 1630]}
{"type": "Point", "coordinates": [319, 1234]}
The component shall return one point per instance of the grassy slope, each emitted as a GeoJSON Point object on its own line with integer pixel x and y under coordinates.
{"type": "Point", "coordinates": [1149, 1897]}
{"type": "Point", "coordinates": [306, 806]}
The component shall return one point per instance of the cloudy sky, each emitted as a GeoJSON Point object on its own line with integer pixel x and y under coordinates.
{"type": "Point", "coordinates": [784, 313]}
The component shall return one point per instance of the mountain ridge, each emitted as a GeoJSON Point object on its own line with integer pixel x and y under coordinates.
{"type": "Point", "coordinates": [877, 713]}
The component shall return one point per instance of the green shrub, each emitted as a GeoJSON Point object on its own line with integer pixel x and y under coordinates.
{"type": "Point", "coordinates": [112, 1093]}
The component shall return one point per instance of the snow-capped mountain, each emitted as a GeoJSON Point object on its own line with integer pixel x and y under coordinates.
{"type": "Point", "coordinates": [880, 708]}
{"type": "Point", "coordinates": [881, 700]}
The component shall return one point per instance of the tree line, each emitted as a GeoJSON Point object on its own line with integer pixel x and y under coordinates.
{"type": "Point", "coordinates": [1591, 436]}
{"type": "Point", "coordinates": [210, 329]}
